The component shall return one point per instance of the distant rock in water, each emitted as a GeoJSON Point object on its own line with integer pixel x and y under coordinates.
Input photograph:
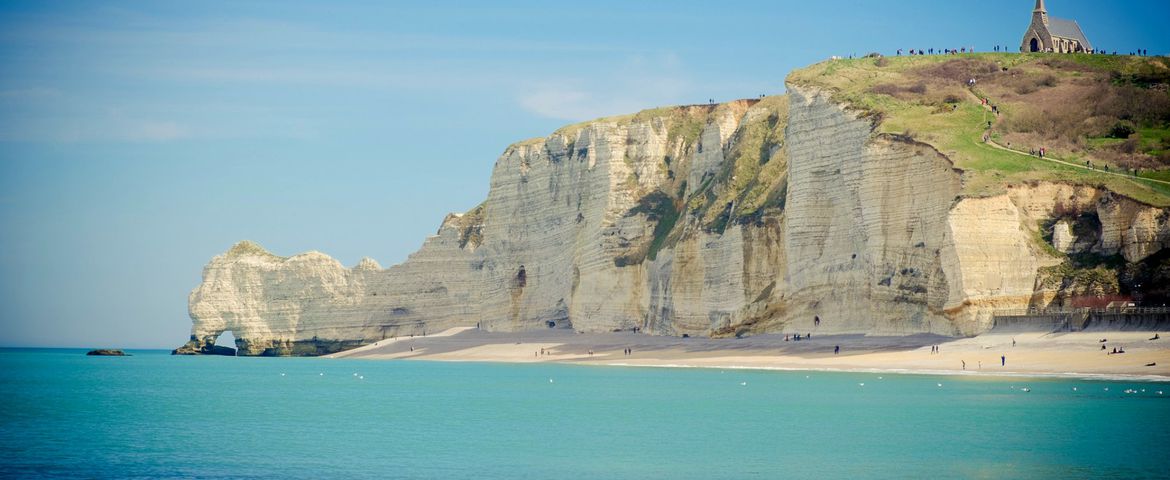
{"type": "Point", "coordinates": [105, 352]}
{"type": "Point", "coordinates": [195, 348]}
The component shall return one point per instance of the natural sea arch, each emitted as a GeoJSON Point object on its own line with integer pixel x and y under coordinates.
{"type": "Point", "coordinates": [226, 339]}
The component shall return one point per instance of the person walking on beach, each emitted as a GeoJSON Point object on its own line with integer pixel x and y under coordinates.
{"type": "Point", "coordinates": [836, 349]}
{"type": "Point", "coordinates": [964, 364]}
{"type": "Point", "coordinates": [1002, 360]}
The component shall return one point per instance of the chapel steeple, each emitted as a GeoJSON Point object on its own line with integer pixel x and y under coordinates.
{"type": "Point", "coordinates": [1040, 13]}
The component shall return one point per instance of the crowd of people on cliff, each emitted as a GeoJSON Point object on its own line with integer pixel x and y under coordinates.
{"type": "Point", "coordinates": [941, 51]}
{"type": "Point", "coordinates": [1141, 52]}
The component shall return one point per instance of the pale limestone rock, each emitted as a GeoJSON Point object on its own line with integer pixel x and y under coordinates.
{"type": "Point", "coordinates": [1062, 237]}
{"type": "Point", "coordinates": [873, 238]}
{"type": "Point", "coordinates": [989, 261]}
{"type": "Point", "coordinates": [866, 220]}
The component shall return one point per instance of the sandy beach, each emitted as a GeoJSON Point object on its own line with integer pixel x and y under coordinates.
{"type": "Point", "coordinates": [997, 353]}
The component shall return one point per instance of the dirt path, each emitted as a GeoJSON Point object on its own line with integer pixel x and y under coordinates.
{"type": "Point", "coordinates": [993, 144]}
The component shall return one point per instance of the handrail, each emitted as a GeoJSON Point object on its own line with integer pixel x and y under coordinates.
{"type": "Point", "coordinates": [1022, 312]}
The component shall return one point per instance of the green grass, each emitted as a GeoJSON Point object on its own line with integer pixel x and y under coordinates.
{"type": "Point", "coordinates": [1101, 142]}
{"type": "Point", "coordinates": [958, 133]}
{"type": "Point", "coordinates": [1155, 140]}
{"type": "Point", "coordinates": [1163, 175]}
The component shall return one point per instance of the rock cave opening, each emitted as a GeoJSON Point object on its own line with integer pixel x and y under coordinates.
{"type": "Point", "coordinates": [226, 339]}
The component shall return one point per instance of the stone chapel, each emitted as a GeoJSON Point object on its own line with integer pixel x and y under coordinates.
{"type": "Point", "coordinates": [1053, 34]}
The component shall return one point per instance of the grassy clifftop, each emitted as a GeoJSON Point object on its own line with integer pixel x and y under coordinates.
{"type": "Point", "coordinates": [1104, 119]}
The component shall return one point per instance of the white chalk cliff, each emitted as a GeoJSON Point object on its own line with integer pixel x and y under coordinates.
{"type": "Point", "coordinates": [745, 217]}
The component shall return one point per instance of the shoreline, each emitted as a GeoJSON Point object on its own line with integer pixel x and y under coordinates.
{"type": "Point", "coordinates": [995, 354]}
{"type": "Point", "coordinates": [900, 371]}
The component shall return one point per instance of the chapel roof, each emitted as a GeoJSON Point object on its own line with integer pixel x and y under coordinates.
{"type": "Point", "coordinates": [1060, 27]}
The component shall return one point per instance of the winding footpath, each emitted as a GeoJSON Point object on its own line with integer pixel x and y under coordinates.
{"type": "Point", "coordinates": [993, 144]}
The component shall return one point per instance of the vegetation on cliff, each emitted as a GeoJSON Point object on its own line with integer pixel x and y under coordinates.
{"type": "Point", "coordinates": [1083, 275]}
{"type": "Point", "coordinates": [470, 226]}
{"type": "Point", "coordinates": [246, 248]}
{"type": "Point", "coordinates": [754, 176]}
{"type": "Point", "coordinates": [750, 182]}
{"type": "Point", "coordinates": [1110, 113]}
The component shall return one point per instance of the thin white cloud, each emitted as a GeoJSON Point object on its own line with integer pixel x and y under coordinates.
{"type": "Point", "coordinates": [346, 76]}
{"type": "Point", "coordinates": [31, 93]}
{"type": "Point", "coordinates": [636, 84]}
{"type": "Point", "coordinates": [156, 131]}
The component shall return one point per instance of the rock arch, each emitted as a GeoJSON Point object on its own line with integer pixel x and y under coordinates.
{"type": "Point", "coordinates": [205, 345]}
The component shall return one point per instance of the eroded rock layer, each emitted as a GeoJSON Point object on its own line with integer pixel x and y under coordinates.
{"type": "Point", "coordinates": [782, 214]}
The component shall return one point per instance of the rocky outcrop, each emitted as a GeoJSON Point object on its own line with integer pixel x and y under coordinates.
{"type": "Point", "coordinates": [782, 214]}
{"type": "Point", "coordinates": [105, 352]}
{"type": "Point", "coordinates": [203, 346]}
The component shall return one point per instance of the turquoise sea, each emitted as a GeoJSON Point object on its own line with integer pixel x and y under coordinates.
{"type": "Point", "coordinates": [66, 415]}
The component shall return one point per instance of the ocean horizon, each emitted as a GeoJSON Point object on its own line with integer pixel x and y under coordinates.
{"type": "Point", "coordinates": [153, 415]}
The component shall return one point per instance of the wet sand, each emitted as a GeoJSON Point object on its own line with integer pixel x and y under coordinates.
{"type": "Point", "coordinates": [1034, 353]}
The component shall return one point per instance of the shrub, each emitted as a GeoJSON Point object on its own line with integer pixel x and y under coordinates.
{"type": "Point", "coordinates": [1121, 130]}
{"type": "Point", "coordinates": [1130, 145]}
{"type": "Point", "coordinates": [920, 88]}
{"type": "Point", "coordinates": [881, 62]}
{"type": "Point", "coordinates": [886, 89]}
{"type": "Point", "coordinates": [960, 70]}
{"type": "Point", "coordinates": [1025, 88]}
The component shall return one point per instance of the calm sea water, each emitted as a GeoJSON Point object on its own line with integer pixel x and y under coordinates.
{"type": "Point", "coordinates": [156, 416]}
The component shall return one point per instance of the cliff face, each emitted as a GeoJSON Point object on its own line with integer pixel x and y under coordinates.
{"type": "Point", "coordinates": [867, 221]}
{"type": "Point", "coordinates": [739, 218]}
{"type": "Point", "coordinates": [573, 235]}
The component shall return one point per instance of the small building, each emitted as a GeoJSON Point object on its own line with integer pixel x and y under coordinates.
{"type": "Point", "coordinates": [1054, 34]}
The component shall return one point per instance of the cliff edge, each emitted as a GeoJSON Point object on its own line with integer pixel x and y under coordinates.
{"type": "Point", "coordinates": [817, 211]}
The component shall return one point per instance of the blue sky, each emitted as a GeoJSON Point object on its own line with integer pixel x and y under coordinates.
{"type": "Point", "coordinates": [139, 139]}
